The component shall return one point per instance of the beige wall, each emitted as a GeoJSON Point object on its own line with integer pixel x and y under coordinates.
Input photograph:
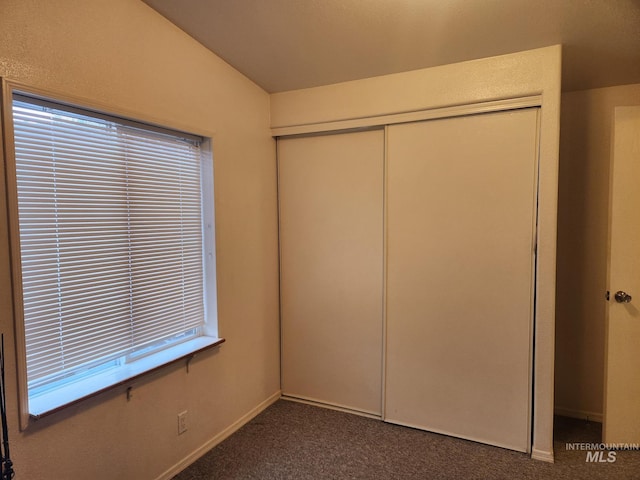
{"type": "Point", "coordinates": [122, 54]}
{"type": "Point", "coordinates": [585, 134]}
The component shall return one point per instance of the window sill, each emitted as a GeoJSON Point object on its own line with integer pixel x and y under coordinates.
{"type": "Point", "coordinates": [51, 402]}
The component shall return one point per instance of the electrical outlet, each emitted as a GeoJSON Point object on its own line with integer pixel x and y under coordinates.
{"type": "Point", "coordinates": [182, 422]}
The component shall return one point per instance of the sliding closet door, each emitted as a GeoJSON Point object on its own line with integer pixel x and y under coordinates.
{"type": "Point", "coordinates": [461, 229]}
{"type": "Point", "coordinates": [331, 233]}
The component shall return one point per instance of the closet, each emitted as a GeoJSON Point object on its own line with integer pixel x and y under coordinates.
{"type": "Point", "coordinates": [408, 272]}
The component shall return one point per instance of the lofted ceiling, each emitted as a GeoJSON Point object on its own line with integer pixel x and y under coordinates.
{"type": "Point", "coordinates": [291, 44]}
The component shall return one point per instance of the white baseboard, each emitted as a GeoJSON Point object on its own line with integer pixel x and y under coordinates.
{"type": "Point", "coordinates": [542, 456]}
{"type": "Point", "coordinates": [581, 414]}
{"type": "Point", "coordinates": [199, 452]}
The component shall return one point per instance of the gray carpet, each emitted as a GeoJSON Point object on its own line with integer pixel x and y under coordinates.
{"type": "Point", "coordinates": [295, 441]}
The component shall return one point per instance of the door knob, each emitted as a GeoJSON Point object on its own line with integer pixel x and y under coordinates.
{"type": "Point", "coordinates": [622, 297]}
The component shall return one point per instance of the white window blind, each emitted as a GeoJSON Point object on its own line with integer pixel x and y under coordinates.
{"type": "Point", "coordinates": [111, 238]}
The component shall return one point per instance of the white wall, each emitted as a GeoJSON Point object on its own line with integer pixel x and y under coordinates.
{"type": "Point", "coordinates": [123, 54]}
{"type": "Point", "coordinates": [585, 143]}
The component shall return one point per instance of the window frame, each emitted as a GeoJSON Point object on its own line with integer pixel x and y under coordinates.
{"type": "Point", "coordinates": [146, 364]}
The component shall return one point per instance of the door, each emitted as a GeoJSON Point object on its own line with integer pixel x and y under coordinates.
{"type": "Point", "coordinates": [331, 234]}
{"type": "Point", "coordinates": [460, 282]}
{"type": "Point", "coordinates": [622, 358]}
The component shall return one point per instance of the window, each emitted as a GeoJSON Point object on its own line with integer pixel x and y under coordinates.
{"type": "Point", "coordinates": [116, 249]}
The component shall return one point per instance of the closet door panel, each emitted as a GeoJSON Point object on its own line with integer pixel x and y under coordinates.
{"type": "Point", "coordinates": [461, 229]}
{"type": "Point", "coordinates": [331, 234]}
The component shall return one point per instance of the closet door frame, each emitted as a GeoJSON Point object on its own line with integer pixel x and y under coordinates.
{"type": "Point", "coordinates": [544, 308]}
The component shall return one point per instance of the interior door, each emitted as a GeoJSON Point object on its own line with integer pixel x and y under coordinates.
{"type": "Point", "coordinates": [460, 275]}
{"type": "Point", "coordinates": [331, 234]}
{"type": "Point", "coordinates": [622, 369]}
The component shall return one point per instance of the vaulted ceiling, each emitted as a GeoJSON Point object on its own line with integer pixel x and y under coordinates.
{"type": "Point", "coordinates": [291, 44]}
